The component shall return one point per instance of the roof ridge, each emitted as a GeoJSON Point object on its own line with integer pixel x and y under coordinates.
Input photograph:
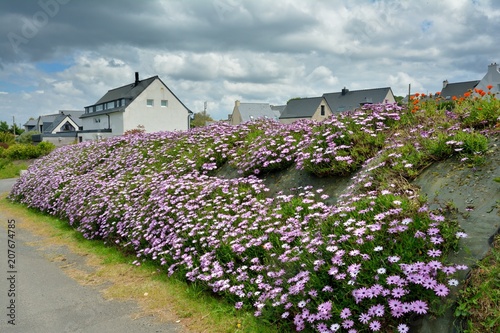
{"type": "Point", "coordinates": [133, 83]}
{"type": "Point", "coordinates": [338, 92]}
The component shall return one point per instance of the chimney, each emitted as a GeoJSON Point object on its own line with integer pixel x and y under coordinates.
{"type": "Point", "coordinates": [136, 78]}
{"type": "Point", "coordinates": [445, 83]}
{"type": "Point", "coordinates": [344, 91]}
{"type": "Point", "coordinates": [493, 68]}
{"type": "Point", "coordinates": [236, 103]}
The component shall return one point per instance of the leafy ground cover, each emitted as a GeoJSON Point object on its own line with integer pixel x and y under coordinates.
{"type": "Point", "coordinates": [372, 262]}
{"type": "Point", "coordinates": [479, 302]}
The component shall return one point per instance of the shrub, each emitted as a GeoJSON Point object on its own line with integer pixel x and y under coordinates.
{"type": "Point", "coordinates": [7, 138]}
{"type": "Point", "coordinates": [45, 147]}
{"type": "Point", "coordinates": [22, 151]}
{"type": "Point", "coordinates": [26, 137]}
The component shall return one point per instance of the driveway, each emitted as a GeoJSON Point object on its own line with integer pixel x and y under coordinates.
{"type": "Point", "coordinates": [42, 299]}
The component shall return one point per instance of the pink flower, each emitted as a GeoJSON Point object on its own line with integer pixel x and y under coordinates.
{"type": "Point", "coordinates": [419, 307]}
{"type": "Point", "coordinates": [441, 290]}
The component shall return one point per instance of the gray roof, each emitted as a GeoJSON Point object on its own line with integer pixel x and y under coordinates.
{"type": "Point", "coordinates": [301, 108]}
{"type": "Point", "coordinates": [51, 121]}
{"type": "Point", "coordinates": [346, 100]}
{"type": "Point", "coordinates": [457, 89]}
{"type": "Point", "coordinates": [31, 122]}
{"type": "Point", "coordinates": [60, 118]}
{"type": "Point", "coordinates": [278, 110]}
{"type": "Point", "coordinates": [129, 92]}
{"type": "Point", "coordinates": [47, 119]}
{"type": "Point", "coordinates": [251, 111]}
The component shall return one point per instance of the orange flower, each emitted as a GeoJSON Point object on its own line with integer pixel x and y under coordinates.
{"type": "Point", "coordinates": [482, 93]}
{"type": "Point", "coordinates": [417, 94]}
{"type": "Point", "coordinates": [467, 94]}
{"type": "Point", "coordinates": [454, 98]}
{"type": "Point", "coordinates": [489, 86]}
{"type": "Point", "coordinates": [437, 93]}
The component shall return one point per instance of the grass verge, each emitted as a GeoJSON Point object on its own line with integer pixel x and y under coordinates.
{"type": "Point", "coordinates": [166, 298]}
{"type": "Point", "coordinates": [479, 302]}
{"type": "Point", "coordinates": [10, 169]}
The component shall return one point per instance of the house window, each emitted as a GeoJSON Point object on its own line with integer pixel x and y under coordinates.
{"type": "Point", "coordinates": [322, 110]}
{"type": "Point", "coordinates": [164, 103]}
{"type": "Point", "coordinates": [67, 127]}
{"type": "Point", "coordinates": [110, 105]}
{"type": "Point", "coordinates": [150, 102]}
{"type": "Point", "coordinates": [98, 107]}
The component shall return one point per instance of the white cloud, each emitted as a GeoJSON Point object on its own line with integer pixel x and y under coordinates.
{"type": "Point", "coordinates": [259, 51]}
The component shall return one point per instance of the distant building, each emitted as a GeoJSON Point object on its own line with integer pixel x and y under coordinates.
{"type": "Point", "coordinates": [147, 104]}
{"type": "Point", "coordinates": [278, 110]}
{"type": "Point", "coordinates": [315, 108]}
{"type": "Point", "coordinates": [491, 78]}
{"type": "Point", "coordinates": [243, 112]}
{"type": "Point", "coordinates": [347, 100]}
{"type": "Point", "coordinates": [59, 128]}
{"type": "Point", "coordinates": [457, 89]}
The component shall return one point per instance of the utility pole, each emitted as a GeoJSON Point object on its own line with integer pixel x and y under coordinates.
{"type": "Point", "coordinates": [409, 95]}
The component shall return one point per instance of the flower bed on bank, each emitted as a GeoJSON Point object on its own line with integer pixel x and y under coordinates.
{"type": "Point", "coordinates": [371, 262]}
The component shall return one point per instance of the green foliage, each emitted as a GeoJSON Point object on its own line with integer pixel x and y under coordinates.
{"type": "Point", "coordinates": [478, 305]}
{"type": "Point", "coordinates": [479, 112]}
{"type": "Point", "coordinates": [7, 138]}
{"type": "Point", "coordinates": [4, 127]}
{"type": "Point", "coordinates": [26, 137]}
{"type": "Point", "coordinates": [26, 151]}
{"type": "Point", "coordinates": [8, 169]}
{"type": "Point", "coordinates": [200, 119]}
{"type": "Point", "coordinates": [45, 147]}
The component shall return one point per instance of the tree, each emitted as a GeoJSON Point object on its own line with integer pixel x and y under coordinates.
{"type": "Point", "coordinates": [200, 119]}
{"type": "Point", "coordinates": [399, 99]}
{"type": "Point", "coordinates": [293, 98]}
{"type": "Point", "coordinates": [4, 127]}
{"type": "Point", "coordinates": [16, 129]}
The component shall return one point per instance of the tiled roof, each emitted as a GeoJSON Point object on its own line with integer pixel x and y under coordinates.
{"type": "Point", "coordinates": [301, 107]}
{"type": "Point", "coordinates": [349, 100]}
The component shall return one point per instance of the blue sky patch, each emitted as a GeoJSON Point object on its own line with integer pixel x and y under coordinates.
{"type": "Point", "coordinates": [52, 67]}
{"type": "Point", "coordinates": [425, 25]}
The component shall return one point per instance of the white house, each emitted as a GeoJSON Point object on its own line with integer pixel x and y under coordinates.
{"type": "Point", "coordinates": [147, 104]}
{"type": "Point", "coordinates": [492, 78]}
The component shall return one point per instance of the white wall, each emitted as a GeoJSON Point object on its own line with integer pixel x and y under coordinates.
{"type": "Point", "coordinates": [492, 77]}
{"type": "Point", "coordinates": [115, 118]}
{"type": "Point", "coordinates": [155, 118]}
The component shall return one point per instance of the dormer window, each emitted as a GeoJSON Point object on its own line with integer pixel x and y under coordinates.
{"type": "Point", "coordinates": [150, 102]}
{"type": "Point", "coordinates": [67, 127]}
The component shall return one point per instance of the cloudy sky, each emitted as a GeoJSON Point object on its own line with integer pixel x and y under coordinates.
{"type": "Point", "coordinates": [65, 54]}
